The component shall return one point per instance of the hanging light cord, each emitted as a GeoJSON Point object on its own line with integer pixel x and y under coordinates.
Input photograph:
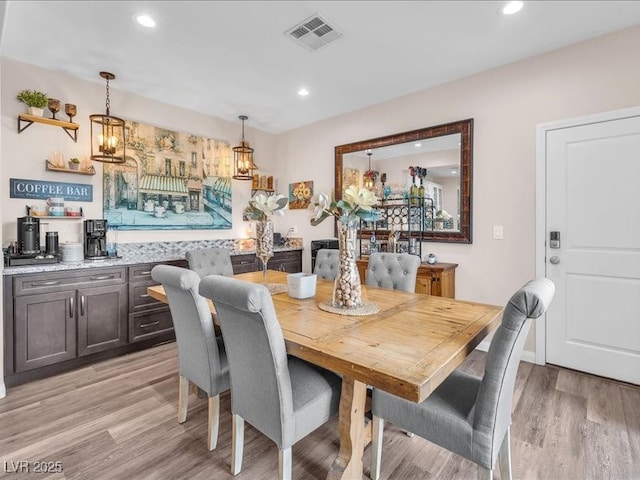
{"type": "Point", "coordinates": [108, 103]}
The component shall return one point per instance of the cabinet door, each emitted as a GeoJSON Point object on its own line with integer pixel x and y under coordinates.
{"type": "Point", "coordinates": [45, 329]}
{"type": "Point", "coordinates": [102, 318]}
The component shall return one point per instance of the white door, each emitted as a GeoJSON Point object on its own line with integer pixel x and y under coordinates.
{"type": "Point", "coordinates": [593, 201]}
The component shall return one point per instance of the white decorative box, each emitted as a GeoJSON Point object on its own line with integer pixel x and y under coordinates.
{"type": "Point", "coordinates": [302, 285]}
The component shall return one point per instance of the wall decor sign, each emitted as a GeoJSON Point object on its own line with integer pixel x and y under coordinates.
{"type": "Point", "coordinates": [300, 194]}
{"type": "Point", "coordinates": [169, 181]}
{"type": "Point", "coordinates": [40, 189]}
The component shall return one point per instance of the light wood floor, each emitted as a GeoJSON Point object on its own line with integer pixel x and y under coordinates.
{"type": "Point", "coordinates": [117, 420]}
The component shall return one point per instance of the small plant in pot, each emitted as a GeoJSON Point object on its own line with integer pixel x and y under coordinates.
{"type": "Point", "coordinates": [74, 163]}
{"type": "Point", "coordinates": [35, 100]}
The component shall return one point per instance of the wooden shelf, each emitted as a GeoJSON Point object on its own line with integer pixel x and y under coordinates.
{"type": "Point", "coordinates": [57, 217]}
{"type": "Point", "coordinates": [52, 168]}
{"type": "Point", "coordinates": [70, 128]}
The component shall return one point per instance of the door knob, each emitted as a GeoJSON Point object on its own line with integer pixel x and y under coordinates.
{"type": "Point", "coordinates": [555, 260]}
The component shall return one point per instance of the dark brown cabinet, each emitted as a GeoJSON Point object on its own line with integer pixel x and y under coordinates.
{"type": "Point", "coordinates": [287, 261]}
{"type": "Point", "coordinates": [102, 318]}
{"type": "Point", "coordinates": [45, 329]}
{"type": "Point", "coordinates": [59, 320]}
{"type": "Point", "coordinates": [59, 316]}
{"type": "Point", "coordinates": [148, 318]}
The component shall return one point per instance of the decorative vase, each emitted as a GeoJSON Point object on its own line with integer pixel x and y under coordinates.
{"type": "Point", "coordinates": [347, 292]}
{"type": "Point", "coordinates": [264, 244]}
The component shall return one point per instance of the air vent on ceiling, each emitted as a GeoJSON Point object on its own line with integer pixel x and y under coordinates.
{"type": "Point", "coordinates": [314, 32]}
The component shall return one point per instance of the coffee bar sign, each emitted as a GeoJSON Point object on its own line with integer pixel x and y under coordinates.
{"type": "Point", "coordinates": [78, 192]}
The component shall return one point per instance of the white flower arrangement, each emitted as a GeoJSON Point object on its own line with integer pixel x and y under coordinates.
{"type": "Point", "coordinates": [354, 202]}
{"type": "Point", "coordinates": [262, 206]}
{"type": "Point", "coordinates": [442, 215]}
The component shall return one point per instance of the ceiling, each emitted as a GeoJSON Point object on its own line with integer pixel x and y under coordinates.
{"type": "Point", "coordinates": [230, 58]}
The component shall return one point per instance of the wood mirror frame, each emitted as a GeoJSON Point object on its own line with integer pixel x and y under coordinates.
{"type": "Point", "coordinates": [465, 129]}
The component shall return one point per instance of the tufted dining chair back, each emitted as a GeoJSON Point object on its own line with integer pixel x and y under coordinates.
{"type": "Point", "coordinates": [395, 271]}
{"type": "Point", "coordinates": [210, 261]}
{"type": "Point", "coordinates": [327, 262]}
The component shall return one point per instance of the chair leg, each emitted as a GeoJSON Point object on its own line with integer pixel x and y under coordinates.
{"type": "Point", "coordinates": [284, 464]}
{"type": "Point", "coordinates": [376, 447]}
{"type": "Point", "coordinates": [504, 457]}
{"type": "Point", "coordinates": [183, 398]}
{"type": "Point", "coordinates": [213, 417]}
{"type": "Point", "coordinates": [237, 440]}
{"type": "Point", "coordinates": [484, 474]}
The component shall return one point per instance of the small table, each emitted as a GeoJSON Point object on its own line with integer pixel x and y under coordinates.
{"type": "Point", "coordinates": [408, 348]}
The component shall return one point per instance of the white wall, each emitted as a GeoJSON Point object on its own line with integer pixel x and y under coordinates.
{"type": "Point", "coordinates": [24, 154]}
{"type": "Point", "coordinates": [506, 103]}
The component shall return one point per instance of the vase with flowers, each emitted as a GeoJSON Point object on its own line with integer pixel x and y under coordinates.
{"type": "Point", "coordinates": [261, 208]}
{"type": "Point", "coordinates": [356, 205]}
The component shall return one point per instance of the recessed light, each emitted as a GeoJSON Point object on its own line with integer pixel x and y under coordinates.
{"type": "Point", "coordinates": [417, 145]}
{"type": "Point", "coordinates": [512, 7]}
{"type": "Point", "coordinates": [303, 92]}
{"type": "Point", "coordinates": [145, 20]}
{"type": "Point", "coordinates": [453, 172]}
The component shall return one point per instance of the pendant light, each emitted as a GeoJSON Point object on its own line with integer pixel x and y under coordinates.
{"type": "Point", "coordinates": [243, 165]}
{"type": "Point", "coordinates": [369, 175]}
{"type": "Point", "coordinates": [107, 133]}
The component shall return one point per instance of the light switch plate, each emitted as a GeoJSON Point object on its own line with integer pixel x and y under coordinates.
{"type": "Point", "coordinates": [498, 232]}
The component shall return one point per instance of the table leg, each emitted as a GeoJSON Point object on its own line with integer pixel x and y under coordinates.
{"type": "Point", "coordinates": [348, 464]}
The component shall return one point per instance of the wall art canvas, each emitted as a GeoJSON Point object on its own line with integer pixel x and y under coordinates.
{"type": "Point", "coordinates": [170, 180]}
{"type": "Point", "coordinates": [350, 176]}
{"type": "Point", "coordinates": [300, 194]}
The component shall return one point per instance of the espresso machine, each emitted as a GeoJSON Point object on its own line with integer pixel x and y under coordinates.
{"type": "Point", "coordinates": [95, 239]}
{"type": "Point", "coordinates": [27, 250]}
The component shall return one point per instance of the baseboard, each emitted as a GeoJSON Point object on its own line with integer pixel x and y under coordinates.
{"type": "Point", "coordinates": [527, 356]}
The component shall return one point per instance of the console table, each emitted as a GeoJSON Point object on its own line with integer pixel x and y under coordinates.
{"type": "Point", "coordinates": [438, 279]}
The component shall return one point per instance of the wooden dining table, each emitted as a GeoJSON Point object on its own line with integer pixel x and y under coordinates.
{"type": "Point", "coordinates": [408, 348]}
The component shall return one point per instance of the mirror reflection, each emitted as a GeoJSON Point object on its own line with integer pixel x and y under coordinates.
{"type": "Point", "coordinates": [425, 172]}
{"type": "Point", "coordinates": [422, 179]}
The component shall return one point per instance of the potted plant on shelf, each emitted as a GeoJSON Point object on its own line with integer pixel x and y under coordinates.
{"type": "Point", "coordinates": [35, 100]}
{"type": "Point", "coordinates": [74, 163]}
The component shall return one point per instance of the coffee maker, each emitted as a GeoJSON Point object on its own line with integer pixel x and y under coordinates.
{"type": "Point", "coordinates": [95, 239]}
{"type": "Point", "coordinates": [28, 235]}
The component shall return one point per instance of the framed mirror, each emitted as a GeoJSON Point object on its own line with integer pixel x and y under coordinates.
{"type": "Point", "coordinates": [438, 158]}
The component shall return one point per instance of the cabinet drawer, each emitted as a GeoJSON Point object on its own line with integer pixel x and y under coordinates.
{"type": "Point", "coordinates": [153, 323]}
{"type": "Point", "coordinates": [143, 271]}
{"type": "Point", "coordinates": [139, 299]}
{"type": "Point", "coordinates": [243, 263]}
{"type": "Point", "coordinates": [55, 282]}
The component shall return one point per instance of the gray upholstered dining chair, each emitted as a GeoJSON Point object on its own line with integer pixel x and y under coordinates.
{"type": "Point", "coordinates": [283, 397]}
{"type": "Point", "coordinates": [210, 261]}
{"type": "Point", "coordinates": [327, 262]}
{"type": "Point", "coordinates": [201, 355]}
{"type": "Point", "coordinates": [396, 271]}
{"type": "Point", "coordinates": [467, 415]}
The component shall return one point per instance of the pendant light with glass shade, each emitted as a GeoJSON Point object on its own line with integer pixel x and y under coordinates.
{"type": "Point", "coordinates": [107, 132]}
{"type": "Point", "coordinates": [243, 165]}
